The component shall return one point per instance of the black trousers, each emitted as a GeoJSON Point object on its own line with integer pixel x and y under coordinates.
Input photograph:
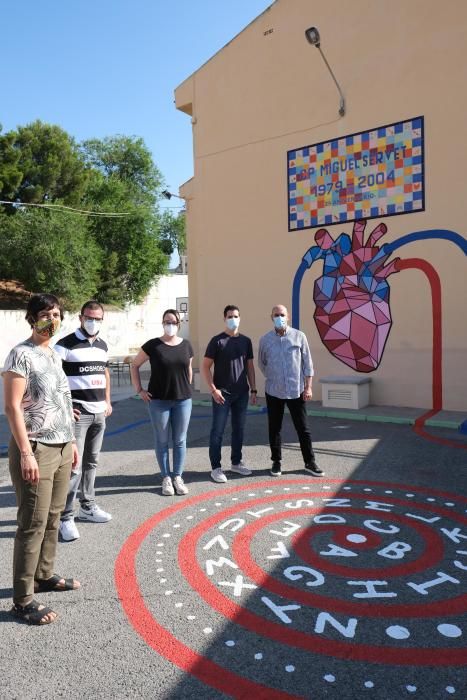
{"type": "Point", "coordinates": [298, 414]}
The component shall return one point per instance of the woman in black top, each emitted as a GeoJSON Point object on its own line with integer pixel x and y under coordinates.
{"type": "Point", "coordinates": [168, 397]}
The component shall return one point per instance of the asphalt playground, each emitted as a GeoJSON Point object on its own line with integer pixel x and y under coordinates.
{"type": "Point", "coordinates": [351, 586]}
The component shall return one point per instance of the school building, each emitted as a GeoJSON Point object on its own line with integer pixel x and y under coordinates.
{"type": "Point", "coordinates": [329, 151]}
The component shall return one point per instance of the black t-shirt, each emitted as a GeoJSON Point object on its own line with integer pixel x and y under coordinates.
{"type": "Point", "coordinates": [169, 369]}
{"type": "Point", "coordinates": [230, 354]}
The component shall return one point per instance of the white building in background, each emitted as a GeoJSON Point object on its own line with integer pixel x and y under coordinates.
{"type": "Point", "coordinates": [124, 331]}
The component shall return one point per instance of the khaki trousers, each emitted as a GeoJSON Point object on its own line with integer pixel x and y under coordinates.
{"type": "Point", "coordinates": [39, 508]}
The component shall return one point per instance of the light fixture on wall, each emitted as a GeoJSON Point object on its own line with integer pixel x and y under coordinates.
{"type": "Point", "coordinates": [169, 195]}
{"type": "Point", "coordinates": [312, 36]}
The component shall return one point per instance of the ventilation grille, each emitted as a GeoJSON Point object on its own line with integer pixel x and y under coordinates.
{"type": "Point", "coordinates": [340, 395]}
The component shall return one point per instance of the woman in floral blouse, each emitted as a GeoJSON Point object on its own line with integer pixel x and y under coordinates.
{"type": "Point", "coordinates": [41, 455]}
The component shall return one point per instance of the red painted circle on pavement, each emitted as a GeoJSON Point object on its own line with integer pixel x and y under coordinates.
{"type": "Point", "coordinates": [211, 673]}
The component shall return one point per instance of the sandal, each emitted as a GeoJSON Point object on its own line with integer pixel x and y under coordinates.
{"type": "Point", "coordinates": [53, 583]}
{"type": "Point", "coordinates": [33, 613]}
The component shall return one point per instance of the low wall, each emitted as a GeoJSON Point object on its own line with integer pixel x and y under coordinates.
{"type": "Point", "coordinates": [122, 330]}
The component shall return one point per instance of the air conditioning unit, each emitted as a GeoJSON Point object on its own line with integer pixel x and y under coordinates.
{"type": "Point", "coordinates": [345, 392]}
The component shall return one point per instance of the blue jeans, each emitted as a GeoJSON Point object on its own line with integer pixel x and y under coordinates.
{"type": "Point", "coordinates": [89, 433]}
{"type": "Point", "coordinates": [237, 405]}
{"type": "Point", "coordinates": [166, 415]}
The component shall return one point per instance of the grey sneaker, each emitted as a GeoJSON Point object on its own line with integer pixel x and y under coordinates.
{"type": "Point", "coordinates": [180, 487]}
{"type": "Point", "coordinates": [240, 468]}
{"type": "Point", "coordinates": [167, 486]}
{"type": "Point", "coordinates": [218, 476]}
{"type": "Point", "coordinates": [94, 515]}
{"type": "Point", "coordinates": [68, 530]}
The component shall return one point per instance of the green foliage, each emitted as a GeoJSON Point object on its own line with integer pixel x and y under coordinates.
{"type": "Point", "coordinates": [10, 173]}
{"type": "Point", "coordinates": [48, 162]}
{"type": "Point", "coordinates": [128, 160]}
{"type": "Point", "coordinates": [173, 232]}
{"type": "Point", "coordinates": [62, 256]}
{"type": "Point", "coordinates": [114, 259]}
{"type": "Point", "coordinates": [125, 179]}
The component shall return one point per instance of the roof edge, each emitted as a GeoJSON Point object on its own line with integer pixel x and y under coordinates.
{"type": "Point", "coordinates": [227, 44]}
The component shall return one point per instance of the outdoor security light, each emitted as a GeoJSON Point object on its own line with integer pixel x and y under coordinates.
{"type": "Point", "coordinates": [312, 36]}
{"type": "Point", "coordinates": [169, 195]}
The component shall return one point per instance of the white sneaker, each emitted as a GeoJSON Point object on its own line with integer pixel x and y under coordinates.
{"type": "Point", "coordinates": [94, 515]}
{"type": "Point", "coordinates": [180, 487]}
{"type": "Point", "coordinates": [68, 530]}
{"type": "Point", "coordinates": [240, 469]}
{"type": "Point", "coordinates": [218, 476]}
{"type": "Point", "coordinates": [167, 486]}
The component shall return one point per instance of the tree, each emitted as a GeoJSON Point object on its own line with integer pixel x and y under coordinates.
{"type": "Point", "coordinates": [116, 259]}
{"type": "Point", "coordinates": [173, 232]}
{"type": "Point", "coordinates": [62, 256]}
{"type": "Point", "coordinates": [123, 178]}
{"type": "Point", "coordinates": [41, 163]}
{"type": "Point", "coordinates": [10, 173]}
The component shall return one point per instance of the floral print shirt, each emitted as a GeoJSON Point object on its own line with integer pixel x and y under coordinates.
{"type": "Point", "coordinates": [46, 402]}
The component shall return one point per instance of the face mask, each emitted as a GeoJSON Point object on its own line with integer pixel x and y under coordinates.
{"type": "Point", "coordinates": [91, 326]}
{"type": "Point", "coordinates": [232, 323]}
{"type": "Point", "coordinates": [47, 327]}
{"type": "Point", "coordinates": [280, 322]}
{"type": "Point", "coordinates": [170, 329]}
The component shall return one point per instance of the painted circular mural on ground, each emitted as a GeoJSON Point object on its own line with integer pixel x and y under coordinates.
{"type": "Point", "coordinates": [301, 588]}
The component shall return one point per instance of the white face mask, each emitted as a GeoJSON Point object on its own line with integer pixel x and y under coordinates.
{"type": "Point", "coordinates": [232, 323]}
{"type": "Point", "coordinates": [280, 322]}
{"type": "Point", "coordinates": [170, 329]}
{"type": "Point", "coordinates": [92, 326]}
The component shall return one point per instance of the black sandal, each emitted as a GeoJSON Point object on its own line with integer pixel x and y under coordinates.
{"type": "Point", "coordinates": [45, 585]}
{"type": "Point", "coordinates": [33, 613]}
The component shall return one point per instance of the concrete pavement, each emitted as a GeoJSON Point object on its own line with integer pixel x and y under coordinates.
{"type": "Point", "coordinates": [350, 586]}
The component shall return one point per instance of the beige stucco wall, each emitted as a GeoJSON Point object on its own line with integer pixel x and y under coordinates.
{"type": "Point", "coordinates": [268, 92]}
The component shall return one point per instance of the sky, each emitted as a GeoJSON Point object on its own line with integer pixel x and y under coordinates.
{"type": "Point", "coordinates": [98, 68]}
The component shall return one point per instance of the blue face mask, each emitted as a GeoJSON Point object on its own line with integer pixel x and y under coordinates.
{"type": "Point", "coordinates": [280, 322]}
{"type": "Point", "coordinates": [232, 323]}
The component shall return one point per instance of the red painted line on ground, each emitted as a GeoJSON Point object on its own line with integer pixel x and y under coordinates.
{"type": "Point", "coordinates": [164, 642]}
{"type": "Point", "coordinates": [430, 557]}
{"type": "Point", "coordinates": [241, 616]}
{"type": "Point", "coordinates": [456, 605]}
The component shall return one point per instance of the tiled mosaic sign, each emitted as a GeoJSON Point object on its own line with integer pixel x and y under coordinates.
{"type": "Point", "coordinates": [369, 174]}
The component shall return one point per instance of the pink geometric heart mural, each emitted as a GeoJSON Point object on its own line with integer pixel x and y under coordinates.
{"type": "Point", "coordinates": [352, 311]}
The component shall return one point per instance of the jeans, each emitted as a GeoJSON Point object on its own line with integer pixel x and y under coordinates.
{"type": "Point", "coordinates": [39, 508]}
{"type": "Point", "coordinates": [166, 415]}
{"type": "Point", "coordinates": [89, 433]}
{"type": "Point", "coordinates": [237, 405]}
{"type": "Point", "coordinates": [298, 414]}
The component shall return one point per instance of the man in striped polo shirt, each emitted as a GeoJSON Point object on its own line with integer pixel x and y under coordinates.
{"type": "Point", "coordinates": [85, 362]}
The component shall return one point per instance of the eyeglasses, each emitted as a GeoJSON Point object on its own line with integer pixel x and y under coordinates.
{"type": "Point", "coordinates": [91, 318]}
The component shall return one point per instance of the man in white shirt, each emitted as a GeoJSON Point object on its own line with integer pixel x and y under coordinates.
{"type": "Point", "coordinates": [285, 360]}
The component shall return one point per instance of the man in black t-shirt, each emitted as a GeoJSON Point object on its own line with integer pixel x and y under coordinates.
{"type": "Point", "coordinates": [234, 375]}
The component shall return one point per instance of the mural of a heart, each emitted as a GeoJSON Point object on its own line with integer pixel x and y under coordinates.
{"type": "Point", "coordinates": [352, 312]}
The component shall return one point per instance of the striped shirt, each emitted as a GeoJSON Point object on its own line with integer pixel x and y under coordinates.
{"type": "Point", "coordinates": [285, 360]}
{"type": "Point", "coordinates": [84, 363]}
